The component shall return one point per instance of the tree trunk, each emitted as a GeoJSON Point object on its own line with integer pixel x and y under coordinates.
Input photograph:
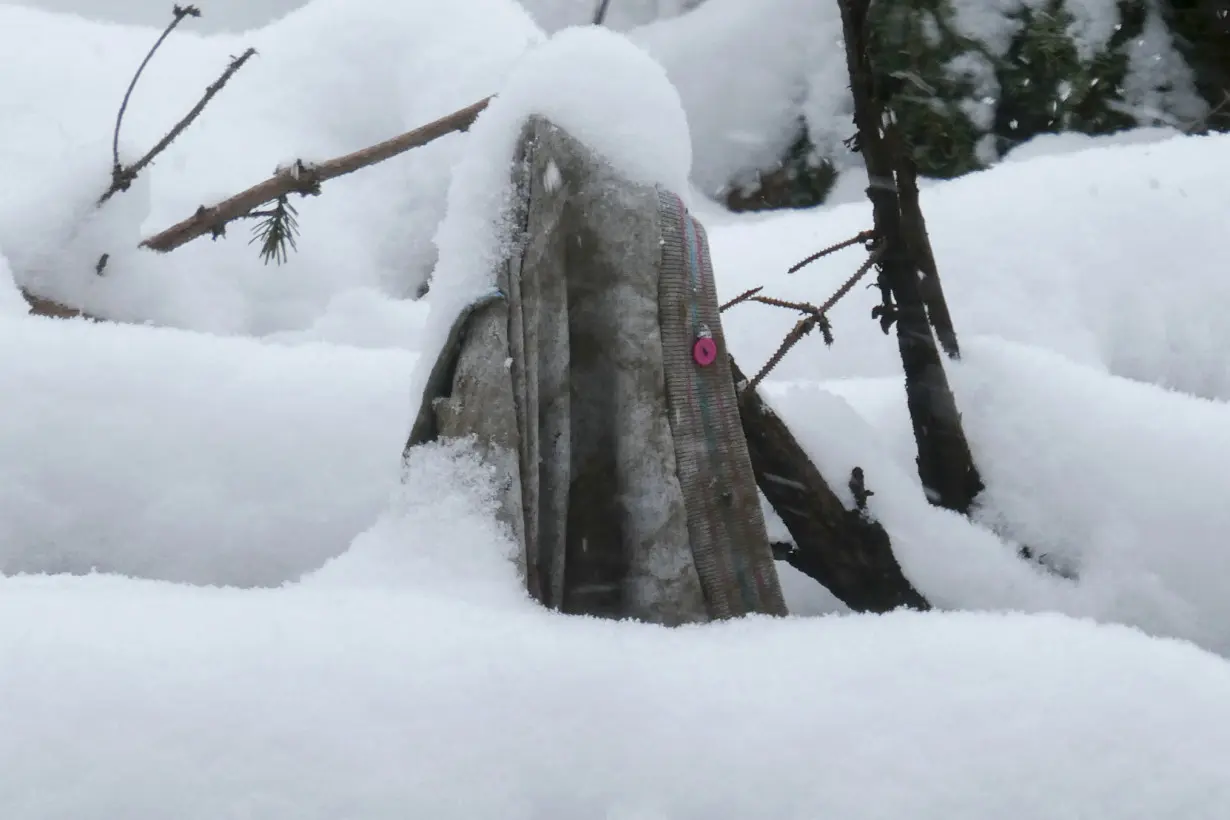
{"type": "Point", "coordinates": [919, 243]}
{"type": "Point", "coordinates": [945, 463]}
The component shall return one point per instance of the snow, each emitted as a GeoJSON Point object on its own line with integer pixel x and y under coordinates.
{"type": "Point", "coordinates": [742, 71]}
{"type": "Point", "coordinates": [252, 608]}
{"type": "Point", "coordinates": [448, 501]}
{"type": "Point", "coordinates": [621, 15]}
{"type": "Point", "coordinates": [327, 703]}
{"type": "Point", "coordinates": [164, 454]}
{"type": "Point", "coordinates": [1070, 142]}
{"type": "Point", "coordinates": [11, 303]}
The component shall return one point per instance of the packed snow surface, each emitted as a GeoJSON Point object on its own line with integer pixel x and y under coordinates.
{"type": "Point", "coordinates": [224, 596]}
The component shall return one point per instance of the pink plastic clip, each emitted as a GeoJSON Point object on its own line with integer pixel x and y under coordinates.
{"type": "Point", "coordinates": [704, 351]}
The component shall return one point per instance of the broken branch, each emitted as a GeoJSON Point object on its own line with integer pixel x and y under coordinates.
{"type": "Point", "coordinates": [847, 551]}
{"type": "Point", "coordinates": [305, 179]}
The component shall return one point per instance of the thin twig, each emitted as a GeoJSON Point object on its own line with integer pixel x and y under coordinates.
{"type": "Point", "coordinates": [600, 14]}
{"type": "Point", "coordinates": [802, 307]}
{"type": "Point", "coordinates": [117, 169]}
{"type": "Point", "coordinates": [742, 297]}
{"type": "Point", "coordinates": [863, 236]}
{"type": "Point", "coordinates": [210, 92]}
{"type": "Point", "coordinates": [804, 326]}
{"type": "Point", "coordinates": [853, 280]}
{"type": "Point", "coordinates": [305, 179]}
{"type": "Point", "coordinates": [816, 316]}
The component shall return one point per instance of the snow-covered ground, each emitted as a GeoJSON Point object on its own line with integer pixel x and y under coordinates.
{"type": "Point", "coordinates": [371, 654]}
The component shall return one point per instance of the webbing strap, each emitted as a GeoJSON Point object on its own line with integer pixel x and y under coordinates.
{"type": "Point", "coordinates": [725, 525]}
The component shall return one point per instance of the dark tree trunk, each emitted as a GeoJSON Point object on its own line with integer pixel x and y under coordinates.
{"type": "Point", "coordinates": [945, 463]}
{"type": "Point", "coordinates": [919, 244]}
{"type": "Point", "coordinates": [844, 550]}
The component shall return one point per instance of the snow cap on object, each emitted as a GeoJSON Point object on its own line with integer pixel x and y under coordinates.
{"type": "Point", "coordinates": [597, 86]}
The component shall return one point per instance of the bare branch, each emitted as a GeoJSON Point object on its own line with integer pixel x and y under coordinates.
{"type": "Point", "coordinates": [802, 307]}
{"type": "Point", "coordinates": [210, 92]}
{"type": "Point", "coordinates": [873, 259]}
{"type": "Point", "coordinates": [305, 179]}
{"type": "Point", "coordinates": [741, 298]}
{"type": "Point", "coordinates": [121, 177]}
{"type": "Point", "coordinates": [863, 236]}
{"type": "Point", "coordinates": [815, 316]}
{"type": "Point", "coordinates": [801, 329]}
{"type": "Point", "coordinates": [179, 13]}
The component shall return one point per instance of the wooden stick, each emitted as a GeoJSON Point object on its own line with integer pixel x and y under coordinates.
{"type": "Point", "coordinates": [53, 309]}
{"type": "Point", "coordinates": [845, 550]}
{"type": "Point", "coordinates": [306, 179]}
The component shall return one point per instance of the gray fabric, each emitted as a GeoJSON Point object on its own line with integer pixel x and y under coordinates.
{"type": "Point", "coordinates": [564, 384]}
{"type": "Point", "coordinates": [725, 521]}
{"type": "Point", "coordinates": [536, 283]}
{"type": "Point", "coordinates": [481, 404]}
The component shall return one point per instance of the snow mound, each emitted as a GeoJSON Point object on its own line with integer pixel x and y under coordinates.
{"type": "Point", "coordinates": [439, 536]}
{"type": "Point", "coordinates": [1045, 145]}
{"type": "Point", "coordinates": [171, 455]}
{"type": "Point", "coordinates": [311, 704]}
{"type": "Point", "coordinates": [750, 76]}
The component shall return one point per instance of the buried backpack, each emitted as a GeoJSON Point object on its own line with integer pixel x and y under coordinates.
{"type": "Point", "coordinates": [596, 380]}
